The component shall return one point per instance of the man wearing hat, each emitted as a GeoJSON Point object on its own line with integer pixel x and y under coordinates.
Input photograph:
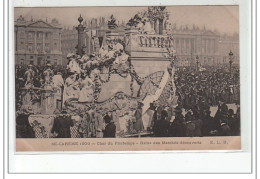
{"type": "Point", "coordinates": [139, 126]}
{"type": "Point", "coordinates": [161, 128]}
{"type": "Point", "coordinates": [177, 127]}
{"type": "Point", "coordinates": [62, 124]}
{"type": "Point", "coordinates": [110, 129]}
{"type": "Point", "coordinates": [23, 128]}
{"type": "Point", "coordinates": [222, 111]}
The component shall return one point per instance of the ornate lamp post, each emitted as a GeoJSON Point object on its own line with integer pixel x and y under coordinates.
{"type": "Point", "coordinates": [80, 47]}
{"type": "Point", "coordinates": [230, 62]}
{"type": "Point", "coordinates": [197, 62]}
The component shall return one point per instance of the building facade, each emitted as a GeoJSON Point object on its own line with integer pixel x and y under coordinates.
{"type": "Point", "coordinates": [69, 41]}
{"type": "Point", "coordinates": [37, 42]}
{"type": "Point", "coordinates": [227, 44]}
{"type": "Point", "coordinates": [209, 47]}
{"type": "Point", "coordinates": [190, 42]}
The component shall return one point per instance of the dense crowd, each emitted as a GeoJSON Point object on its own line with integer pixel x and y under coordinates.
{"type": "Point", "coordinates": [197, 92]}
{"type": "Point", "coordinates": [196, 122]}
{"type": "Point", "coordinates": [210, 84]}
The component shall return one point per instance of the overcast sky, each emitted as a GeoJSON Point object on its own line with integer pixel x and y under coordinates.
{"type": "Point", "coordinates": [223, 18]}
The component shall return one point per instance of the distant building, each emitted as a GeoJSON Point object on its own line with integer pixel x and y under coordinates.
{"type": "Point", "coordinates": [210, 47]}
{"type": "Point", "coordinates": [37, 42]}
{"type": "Point", "coordinates": [69, 41]}
{"type": "Point", "coordinates": [190, 42]}
{"type": "Point", "coordinates": [227, 44]}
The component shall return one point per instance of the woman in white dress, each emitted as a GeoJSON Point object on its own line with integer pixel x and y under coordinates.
{"type": "Point", "coordinates": [71, 88]}
{"type": "Point", "coordinates": [87, 89]}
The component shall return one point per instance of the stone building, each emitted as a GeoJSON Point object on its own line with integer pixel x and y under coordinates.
{"type": "Point", "coordinates": [194, 43]}
{"type": "Point", "coordinates": [210, 47]}
{"type": "Point", "coordinates": [227, 43]}
{"type": "Point", "coordinates": [37, 42]}
{"type": "Point", "coordinates": [189, 41]}
{"type": "Point", "coordinates": [69, 41]}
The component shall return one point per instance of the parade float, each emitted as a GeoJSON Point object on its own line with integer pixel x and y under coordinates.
{"type": "Point", "coordinates": [136, 68]}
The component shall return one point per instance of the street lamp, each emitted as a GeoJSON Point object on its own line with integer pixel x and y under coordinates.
{"type": "Point", "coordinates": [197, 62]}
{"type": "Point", "coordinates": [230, 61]}
{"type": "Point", "coordinates": [80, 28]}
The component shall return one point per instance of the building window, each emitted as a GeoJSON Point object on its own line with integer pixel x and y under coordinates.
{"type": "Point", "coordinates": [39, 35]}
{"type": "Point", "coordinates": [30, 48]}
{"type": "Point", "coordinates": [187, 44]}
{"type": "Point", "coordinates": [39, 47]}
{"type": "Point", "coordinates": [47, 35]}
{"type": "Point", "coordinates": [31, 62]}
{"type": "Point", "coordinates": [55, 35]}
{"type": "Point", "coordinates": [21, 61]}
{"type": "Point", "coordinates": [30, 35]}
{"type": "Point", "coordinates": [47, 47]}
{"type": "Point", "coordinates": [21, 43]}
{"type": "Point", "coordinates": [31, 57]}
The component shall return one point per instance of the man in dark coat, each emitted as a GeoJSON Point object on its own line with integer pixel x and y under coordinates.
{"type": "Point", "coordinates": [110, 129]}
{"type": "Point", "coordinates": [222, 111]}
{"type": "Point", "coordinates": [62, 124]}
{"type": "Point", "coordinates": [231, 121]}
{"type": "Point", "coordinates": [23, 128]}
{"type": "Point", "coordinates": [177, 127]}
{"type": "Point", "coordinates": [161, 127]}
{"type": "Point", "coordinates": [208, 124]}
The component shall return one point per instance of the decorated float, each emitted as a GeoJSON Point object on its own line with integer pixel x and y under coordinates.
{"type": "Point", "coordinates": [136, 68]}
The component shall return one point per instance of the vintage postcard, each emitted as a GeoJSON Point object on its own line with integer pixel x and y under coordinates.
{"type": "Point", "coordinates": [128, 78]}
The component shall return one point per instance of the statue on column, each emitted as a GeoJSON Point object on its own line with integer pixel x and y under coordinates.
{"type": "Point", "coordinates": [147, 27]}
{"type": "Point", "coordinates": [112, 22]}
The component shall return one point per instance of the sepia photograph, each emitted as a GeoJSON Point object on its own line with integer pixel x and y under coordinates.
{"type": "Point", "coordinates": [127, 78]}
